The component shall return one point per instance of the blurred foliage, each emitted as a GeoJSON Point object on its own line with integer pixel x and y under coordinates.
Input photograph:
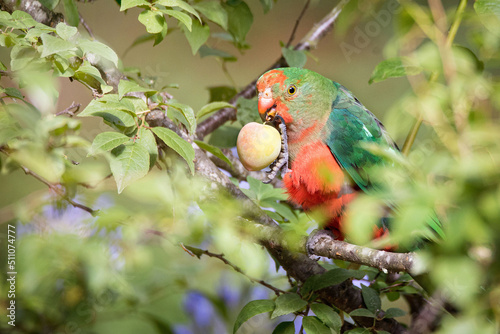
{"type": "Point", "coordinates": [93, 256]}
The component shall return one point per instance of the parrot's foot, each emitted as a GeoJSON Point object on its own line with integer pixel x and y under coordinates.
{"type": "Point", "coordinates": [281, 162]}
{"type": "Point", "coordinates": [314, 239]}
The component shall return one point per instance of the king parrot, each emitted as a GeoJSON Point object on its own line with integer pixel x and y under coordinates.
{"type": "Point", "coordinates": [326, 128]}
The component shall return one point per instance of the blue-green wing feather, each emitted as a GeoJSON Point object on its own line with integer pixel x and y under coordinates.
{"type": "Point", "coordinates": [350, 125]}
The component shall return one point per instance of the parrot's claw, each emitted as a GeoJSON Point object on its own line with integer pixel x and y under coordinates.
{"type": "Point", "coordinates": [281, 162]}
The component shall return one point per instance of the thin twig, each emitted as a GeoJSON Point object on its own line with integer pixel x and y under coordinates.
{"type": "Point", "coordinates": [301, 15]}
{"type": "Point", "coordinates": [86, 26]}
{"type": "Point", "coordinates": [221, 257]}
{"type": "Point", "coordinates": [71, 110]}
{"type": "Point", "coordinates": [59, 191]}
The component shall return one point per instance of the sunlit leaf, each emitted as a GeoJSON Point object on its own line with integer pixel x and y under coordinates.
{"type": "Point", "coordinates": [214, 150]}
{"type": "Point", "coordinates": [128, 163]}
{"type": "Point", "coordinates": [197, 36]}
{"type": "Point", "coordinates": [393, 68]}
{"type": "Point", "coordinates": [214, 11]}
{"type": "Point", "coordinates": [106, 141]}
{"type": "Point", "coordinates": [53, 45]}
{"type": "Point", "coordinates": [152, 20]}
{"type": "Point", "coordinates": [126, 4]}
{"type": "Point", "coordinates": [98, 49]}
{"type": "Point", "coordinates": [181, 4]}
{"type": "Point", "coordinates": [129, 86]}
{"type": "Point", "coordinates": [213, 107]}
{"type": "Point", "coordinates": [186, 113]}
{"type": "Point", "coordinates": [65, 31]}
{"type": "Point", "coordinates": [179, 145]}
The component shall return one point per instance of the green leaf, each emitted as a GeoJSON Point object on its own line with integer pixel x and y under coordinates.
{"type": "Point", "coordinates": [362, 312]}
{"type": "Point", "coordinates": [128, 163]}
{"type": "Point", "coordinates": [179, 145]}
{"type": "Point", "coordinates": [313, 326]}
{"type": "Point", "coordinates": [247, 111]}
{"type": "Point", "coordinates": [252, 309]}
{"type": "Point", "coordinates": [146, 138]}
{"type": "Point", "coordinates": [187, 115]}
{"type": "Point", "coordinates": [392, 296]}
{"type": "Point", "coordinates": [206, 51]}
{"type": "Point", "coordinates": [225, 136]}
{"type": "Point", "coordinates": [358, 331]}
{"type": "Point", "coordinates": [152, 20]}
{"type": "Point", "coordinates": [181, 4]}
{"type": "Point", "coordinates": [180, 16]}
{"type": "Point", "coordinates": [213, 107]}
{"type": "Point", "coordinates": [23, 20]}
{"type": "Point", "coordinates": [65, 31]}
{"type": "Point", "coordinates": [106, 141]}
{"type": "Point", "coordinates": [197, 36]}
{"type": "Point", "coordinates": [214, 150]}
{"type": "Point", "coordinates": [487, 7]}
{"type": "Point", "coordinates": [328, 316]}
{"type": "Point", "coordinates": [267, 5]}
{"type": "Point", "coordinates": [294, 58]}
{"type": "Point", "coordinates": [394, 312]}
{"type": "Point", "coordinates": [331, 277]}
{"type": "Point", "coordinates": [90, 75]}
{"type": "Point", "coordinates": [213, 11]}
{"type": "Point", "coordinates": [126, 4]}
{"type": "Point", "coordinates": [13, 92]}
{"type": "Point", "coordinates": [393, 68]}
{"type": "Point", "coordinates": [285, 327]}
{"type": "Point", "coordinates": [221, 93]}
{"type": "Point", "coordinates": [128, 86]}
{"type": "Point", "coordinates": [240, 21]}
{"type": "Point", "coordinates": [371, 299]}
{"type": "Point", "coordinates": [53, 45]}
{"type": "Point", "coordinates": [113, 112]}
{"type": "Point", "coordinates": [288, 303]}
{"type": "Point", "coordinates": [71, 12]}
{"type": "Point", "coordinates": [49, 4]}
{"type": "Point", "coordinates": [98, 49]}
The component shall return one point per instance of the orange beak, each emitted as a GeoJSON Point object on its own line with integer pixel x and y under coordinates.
{"type": "Point", "coordinates": [266, 105]}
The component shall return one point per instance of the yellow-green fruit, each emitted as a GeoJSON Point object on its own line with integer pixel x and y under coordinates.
{"type": "Point", "coordinates": [258, 145]}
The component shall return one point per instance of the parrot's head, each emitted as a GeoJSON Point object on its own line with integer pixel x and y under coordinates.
{"type": "Point", "coordinates": [295, 94]}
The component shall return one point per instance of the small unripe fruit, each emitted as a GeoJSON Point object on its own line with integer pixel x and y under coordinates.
{"type": "Point", "coordinates": [258, 145]}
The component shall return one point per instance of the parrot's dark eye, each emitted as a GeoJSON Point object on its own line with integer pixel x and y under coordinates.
{"type": "Point", "coordinates": [292, 90]}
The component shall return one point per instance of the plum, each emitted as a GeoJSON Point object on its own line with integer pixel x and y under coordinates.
{"type": "Point", "coordinates": [258, 145]}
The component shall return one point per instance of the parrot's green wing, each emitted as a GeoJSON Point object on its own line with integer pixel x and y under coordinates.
{"type": "Point", "coordinates": [350, 125]}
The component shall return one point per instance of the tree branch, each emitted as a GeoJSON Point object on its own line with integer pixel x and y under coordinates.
{"type": "Point", "coordinates": [35, 9]}
{"type": "Point", "coordinates": [310, 41]}
{"type": "Point", "coordinates": [323, 243]}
